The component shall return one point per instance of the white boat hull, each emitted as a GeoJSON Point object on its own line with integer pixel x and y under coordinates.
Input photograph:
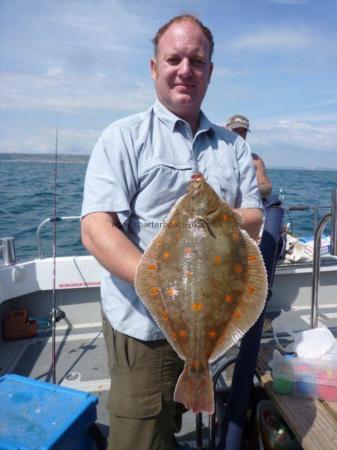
{"type": "Point", "coordinates": [78, 277]}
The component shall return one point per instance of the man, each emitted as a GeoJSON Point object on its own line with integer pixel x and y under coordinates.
{"type": "Point", "coordinates": [240, 125]}
{"type": "Point", "coordinates": [139, 167]}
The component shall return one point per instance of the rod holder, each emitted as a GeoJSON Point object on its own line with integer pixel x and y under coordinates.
{"type": "Point", "coordinates": [7, 247]}
{"type": "Point", "coordinates": [317, 254]}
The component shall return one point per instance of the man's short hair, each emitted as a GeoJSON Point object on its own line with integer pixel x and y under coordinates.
{"type": "Point", "coordinates": [207, 32]}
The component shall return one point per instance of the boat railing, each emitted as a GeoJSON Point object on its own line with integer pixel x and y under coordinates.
{"type": "Point", "coordinates": [332, 215]}
{"type": "Point", "coordinates": [7, 250]}
{"type": "Point", "coordinates": [288, 208]}
{"type": "Point", "coordinates": [43, 224]}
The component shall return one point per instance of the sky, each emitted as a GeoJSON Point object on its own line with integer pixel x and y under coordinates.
{"type": "Point", "coordinates": [82, 64]}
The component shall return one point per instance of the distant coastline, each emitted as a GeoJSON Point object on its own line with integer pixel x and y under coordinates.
{"type": "Point", "coordinates": [83, 159]}
{"type": "Point", "coordinates": [44, 157]}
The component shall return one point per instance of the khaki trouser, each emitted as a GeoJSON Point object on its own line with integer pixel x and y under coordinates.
{"type": "Point", "coordinates": [143, 415]}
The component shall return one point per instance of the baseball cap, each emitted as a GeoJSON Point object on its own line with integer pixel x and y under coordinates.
{"type": "Point", "coordinates": [238, 121]}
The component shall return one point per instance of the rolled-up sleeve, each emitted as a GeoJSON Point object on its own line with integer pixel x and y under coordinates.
{"type": "Point", "coordinates": [248, 194]}
{"type": "Point", "coordinates": [111, 177]}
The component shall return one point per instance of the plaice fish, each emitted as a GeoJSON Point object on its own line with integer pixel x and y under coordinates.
{"type": "Point", "coordinates": [204, 282]}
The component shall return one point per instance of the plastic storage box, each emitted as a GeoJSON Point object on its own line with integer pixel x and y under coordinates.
{"type": "Point", "coordinates": [39, 415]}
{"type": "Point", "coordinates": [306, 378]}
{"type": "Point", "coordinates": [309, 244]}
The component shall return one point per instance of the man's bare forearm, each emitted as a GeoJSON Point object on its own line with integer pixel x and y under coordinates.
{"type": "Point", "coordinates": [103, 238]}
{"type": "Point", "coordinates": [265, 188]}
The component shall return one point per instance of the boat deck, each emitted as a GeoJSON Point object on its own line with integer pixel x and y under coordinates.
{"type": "Point", "coordinates": [81, 363]}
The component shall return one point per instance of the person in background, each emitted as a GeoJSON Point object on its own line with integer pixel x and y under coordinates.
{"type": "Point", "coordinates": [240, 125]}
{"type": "Point", "coordinates": [138, 169]}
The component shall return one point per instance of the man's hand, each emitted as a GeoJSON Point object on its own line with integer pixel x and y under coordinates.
{"type": "Point", "coordinates": [252, 221]}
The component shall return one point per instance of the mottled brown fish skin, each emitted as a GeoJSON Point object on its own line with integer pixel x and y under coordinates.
{"type": "Point", "coordinates": [204, 282]}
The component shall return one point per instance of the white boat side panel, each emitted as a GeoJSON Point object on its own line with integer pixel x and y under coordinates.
{"type": "Point", "coordinates": [72, 272]}
{"type": "Point", "coordinates": [291, 289]}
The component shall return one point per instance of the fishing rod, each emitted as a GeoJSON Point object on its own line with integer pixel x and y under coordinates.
{"type": "Point", "coordinates": [56, 315]}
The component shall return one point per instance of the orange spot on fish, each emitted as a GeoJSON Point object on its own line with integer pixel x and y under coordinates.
{"type": "Point", "coordinates": [159, 242]}
{"type": "Point", "coordinates": [171, 292]}
{"type": "Point", "coordinates": [226, 217]}
{"type": "Point", "coordinates": [188, 250]}
{"type": "Point", "coordinates": [182, 333]}
{"type": "Point", "coordinates": [237, 314]}
{"type": "Point", "coordinates": [154, 291]}
{"type": "Point", "coordinates": [166, 255]}
{"type": "Point", "coordinates": [217, 259]}
{"type": "Point", "coordinates": [252, 258]}
{"type": "Point", "coordinates": [212, 334]}
{"type": "Point", "coordinates": [165, 315]}
{"type": "Point", "coordinates": [188, 274]}
{"type": "Point", "coordinates": [197, 307]}
{"type": "Point", "coordinates": [228, 298]}
{"type": "Point", "coordinates": [238, 268]}
{"type": "Point", "coordinates": [251, 289]}
{"type": "Point", "coordinates": [152, 266]}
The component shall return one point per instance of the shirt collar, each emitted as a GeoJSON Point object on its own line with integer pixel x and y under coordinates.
{"type": "Point", "coordinates": [171, 120]}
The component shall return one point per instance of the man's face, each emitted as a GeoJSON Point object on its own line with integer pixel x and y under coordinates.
{"type": "Point", "coordinates": [241, 132]}
{"type": "Point", "coordinates": [182, 68]}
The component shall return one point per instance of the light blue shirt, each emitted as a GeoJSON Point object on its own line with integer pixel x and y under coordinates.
{"type": "Point", "coordinates": [139, 167]}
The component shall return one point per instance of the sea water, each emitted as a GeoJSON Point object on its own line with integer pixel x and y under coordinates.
{"type": "Point", "coordinates": [27, 198]}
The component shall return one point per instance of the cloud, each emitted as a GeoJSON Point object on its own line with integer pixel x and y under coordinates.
{"type": "Point", "coordinates": [328, 102]}
{"type": "Point", "coordinates": [111, 28]}
{"type": "Point", "coordinates": [274, 40]}
{"type": "Point", "coordinates": [70, 140]}
{"type": "Point", "coordinates": [302, 134]}
{"type": "Point", "coordinates": [54, 72]}
{"type": "Point", "coordinates": [57, 90]}
{"type": "Point", "coordinates": [86, 36]}
{"type": "Point", "coordinates": [228, 72]}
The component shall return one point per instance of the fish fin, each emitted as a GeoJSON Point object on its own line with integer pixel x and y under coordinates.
{"type": "Point", "coordinates": [238, 216]}
{"type": "Point", "coordinates": [195, 391]}
{"type": "Point", "coordinates": [148, 287]}
{"type": "Point", "coordinates": [251, 303]}
{"type": "Point", "coordinates": [174, 208]}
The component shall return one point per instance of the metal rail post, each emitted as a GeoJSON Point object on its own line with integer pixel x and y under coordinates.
{"type": "Point", "coordinates": [317, 254]}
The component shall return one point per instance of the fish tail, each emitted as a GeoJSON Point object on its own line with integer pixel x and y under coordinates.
{"type": "Point", "coordinates": [195, 390]}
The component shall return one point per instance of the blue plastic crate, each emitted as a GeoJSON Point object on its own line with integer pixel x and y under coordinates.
{"type": "Point", "coordinates": [44, 416]}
